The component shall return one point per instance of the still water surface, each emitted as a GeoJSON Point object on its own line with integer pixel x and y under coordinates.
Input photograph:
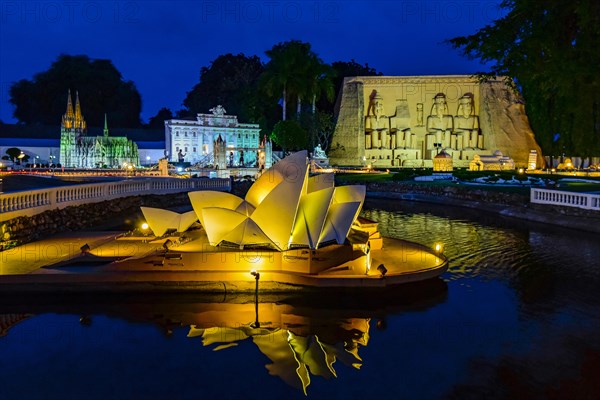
{"type": "Point", "coordinates": [516, 316]}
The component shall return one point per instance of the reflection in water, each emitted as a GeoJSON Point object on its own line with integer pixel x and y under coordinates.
{"type": "Point", "coordinates": [516, 316]}
{"type": "Point", "coordinates": [302, 336]}
{"type": "Point", "coordinates": [294, 356]}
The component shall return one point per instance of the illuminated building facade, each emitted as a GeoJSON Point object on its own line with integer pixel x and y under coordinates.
{"type": "Point", "coordinates": [77, 150]}
{"type": "Point", "coordinates": [194, 140]}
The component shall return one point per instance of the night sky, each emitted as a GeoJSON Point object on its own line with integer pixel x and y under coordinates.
{"type": "Point", "coordinates": [162, 45]}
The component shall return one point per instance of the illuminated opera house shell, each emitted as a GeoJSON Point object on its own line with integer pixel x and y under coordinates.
{"type": "Point", "coordinates": [284, 209]}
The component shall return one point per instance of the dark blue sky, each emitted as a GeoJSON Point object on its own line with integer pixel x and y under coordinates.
{"type": "Point", "coordinates": [162, 45]}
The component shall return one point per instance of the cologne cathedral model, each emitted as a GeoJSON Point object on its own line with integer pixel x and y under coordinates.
{"type": "Point", "coordinates": [77, 150]}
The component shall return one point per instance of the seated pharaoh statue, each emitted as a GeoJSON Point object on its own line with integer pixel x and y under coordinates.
{"type": "Point", "coordinates": [439, 124]}
{"type": "Point", "coordinates": [466, 124]}
{"type": "Point", "coordinates": [377, 125]}
{"type": "Point", "coordinates": [401, 136]}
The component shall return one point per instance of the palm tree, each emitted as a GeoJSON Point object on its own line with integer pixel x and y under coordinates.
{"type": "Point", "coordinates": [320, 81]}
{"type": "Point", "coordinates": [286, 71]}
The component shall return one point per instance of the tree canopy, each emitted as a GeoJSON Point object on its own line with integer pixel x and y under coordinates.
{"type": "Point", "coordinates": [101, 88]}
{"type": "Point", "coordinates": [289, 135]}
{"type": "Point", "coordinates": [231, 81]}
{"type": "Point", "coordinates": [295, 73]}
{"type": "Point", "coordinates": [158, 121]}
{"type": "Point", "coordinates": [549, 50]}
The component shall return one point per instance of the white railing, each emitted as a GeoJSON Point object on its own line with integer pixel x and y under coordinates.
{"type": "Point", "coordinates": [587, 201]}
{"type": "Point", "coordinates": [34, 202]}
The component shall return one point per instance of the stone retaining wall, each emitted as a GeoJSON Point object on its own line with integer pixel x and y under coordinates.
{"type": "Point", "coordinates": [504, 203]}
{"type": "Point", "coordinates": [22, 230]}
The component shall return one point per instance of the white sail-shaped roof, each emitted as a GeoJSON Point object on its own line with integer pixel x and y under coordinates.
{"type": "Point", "coordinates": [277, 212]}
{"type": "Point", "coordinates": [160, 221]}
{"type": "Point", "coordinates": [311, 217]}
{"type": "Point", "coordinates": [284, 207]}
{"type": "Point", "coordinates": [344, 209]}
{"type": "Point", "coordinates": [207, 198]}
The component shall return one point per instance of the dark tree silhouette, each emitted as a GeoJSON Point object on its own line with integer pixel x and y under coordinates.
{"type": "Point", "coordinates": [548, 49]}
{"type": "Point", "coordinates": [101, 88]}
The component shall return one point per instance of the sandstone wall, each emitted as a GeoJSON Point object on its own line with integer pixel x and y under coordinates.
{"type": "Point", "coordinates": [502, 117]}
{"type": "Point", "coordinates": [347, 145]}
{"type": "Point", "coordinates": [503, 122]}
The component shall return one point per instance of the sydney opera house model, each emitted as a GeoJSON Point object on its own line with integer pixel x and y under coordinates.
{"type": "Point", "coordinates": [292, 228]}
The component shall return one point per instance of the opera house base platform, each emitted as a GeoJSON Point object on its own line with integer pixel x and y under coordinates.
{"type": "Point", "coordinates": [141, 264]}
{"type": "Point", "coordinates": [291, 231]}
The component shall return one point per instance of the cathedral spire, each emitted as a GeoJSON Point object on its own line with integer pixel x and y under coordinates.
{"type": "Point", "coordinates": [105, 126]}
{"type": "Point", "coordinates": [69, 112]}
{"type": "Point", "coordinates": [77, 107]}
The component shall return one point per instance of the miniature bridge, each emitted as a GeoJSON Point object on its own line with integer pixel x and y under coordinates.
{"type": "Point", "coordinates": [33, 202]}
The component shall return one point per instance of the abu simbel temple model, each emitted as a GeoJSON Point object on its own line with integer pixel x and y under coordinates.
{"type": "Point", "coordinates": [78, 150]}
{"type": "Point", "coordinates": [407, 121]}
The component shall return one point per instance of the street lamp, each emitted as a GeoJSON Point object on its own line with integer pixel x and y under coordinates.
{"type": "Point", "coordinates": [256, 275]}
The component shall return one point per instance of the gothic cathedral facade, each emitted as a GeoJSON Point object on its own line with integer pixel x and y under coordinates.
{"type": "Point", "coordinates": [77, 150]}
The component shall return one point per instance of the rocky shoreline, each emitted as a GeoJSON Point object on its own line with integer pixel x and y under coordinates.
{"type": "Point", "coordinates": [102, 215]}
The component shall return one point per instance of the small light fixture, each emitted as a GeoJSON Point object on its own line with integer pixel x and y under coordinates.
{"type": "Point", "coordinates": [145, 226]}
{"type": "Point", "coordinates": [438, 247]}
{"type": "Point", "coordinates": [382, 270]}
{"type": "Point", "coordinates": [85, 248]}
{"type": "Point", "coordinates": [255, 274]}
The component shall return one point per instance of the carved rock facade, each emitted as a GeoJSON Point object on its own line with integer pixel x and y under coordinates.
{"type": "Point", "coordinates": [406, 121]}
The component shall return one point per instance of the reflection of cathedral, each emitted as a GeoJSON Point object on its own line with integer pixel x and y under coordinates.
{"type": "Point", "coordinates": [407, 121]}
{"type": "Point", "coordinates": [80, 151]}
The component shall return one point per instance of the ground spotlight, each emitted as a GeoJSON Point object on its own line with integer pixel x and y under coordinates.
{"type": "Point", "coordinates": [255, 274]}
{"type": "Point", "coordinates": [438, 247]}
{"type": "Point", "coordinates": [382, 270]}
{"type": "Point", "coordinates": [145, 226]}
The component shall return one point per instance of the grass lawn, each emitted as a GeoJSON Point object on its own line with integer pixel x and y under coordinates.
{"type": "Point", "coordinates": [469, 176]}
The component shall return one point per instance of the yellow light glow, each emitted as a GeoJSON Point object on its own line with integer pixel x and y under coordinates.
{"type": "Point", "coordinates": [521, 170]}
{"type": "Point", "coordinates": [144, 226]}
{"type": "Point", "coordinates": [438, 247]}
